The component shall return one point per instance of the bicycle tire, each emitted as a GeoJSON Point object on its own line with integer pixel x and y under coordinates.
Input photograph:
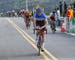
{"type": "Point", "coordinates": [39, 45]}
{"type": "Point", "coordinates": [39, 52]}
{"type": "Point", "coordinates": [33, 31]}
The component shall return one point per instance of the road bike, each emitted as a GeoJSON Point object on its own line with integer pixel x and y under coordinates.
{"type": "Point", "coordinates": [53, 26]}
{"type": "Point", "coordinates": [39, 43]}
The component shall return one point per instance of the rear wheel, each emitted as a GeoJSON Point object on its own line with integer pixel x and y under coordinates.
{"type": "Point", "coordinates": [39, 52]}
{"type": "Point", "coordinates": [53, 28]}
{"type": "Point", "coordinates": [28, 24]}
{"type": "Point", "coordinates": [39, 45]}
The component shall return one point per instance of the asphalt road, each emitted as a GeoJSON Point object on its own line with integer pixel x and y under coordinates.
{"type": "Point", "coordinates": [13, 45]}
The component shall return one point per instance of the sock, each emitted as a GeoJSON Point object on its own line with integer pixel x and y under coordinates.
{"type": "Point", "coordinates": [43, 45]}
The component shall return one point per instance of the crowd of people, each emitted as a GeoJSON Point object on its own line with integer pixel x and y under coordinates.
{"type": "Point", "coordinates": [64, 10]}
{"type": "Point", "coordinates": [63, 7]}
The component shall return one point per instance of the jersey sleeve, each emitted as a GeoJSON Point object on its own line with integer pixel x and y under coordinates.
{"type": "Point", "coordinates": [44, 16]}
{"type": "Point", "coordinates": [34, 16]}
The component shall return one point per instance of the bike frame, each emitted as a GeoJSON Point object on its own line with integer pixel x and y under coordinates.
{"type": "Point", "coordinates": [53, 26]}
{"type": "Point", "coordinates": [39, 41]}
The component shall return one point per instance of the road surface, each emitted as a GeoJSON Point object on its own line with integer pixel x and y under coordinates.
{"type": "Point", "coordinates": [18, 43]}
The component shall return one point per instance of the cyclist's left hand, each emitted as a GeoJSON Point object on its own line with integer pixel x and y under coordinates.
{"type": "Point", "coordinates": [38, 27]}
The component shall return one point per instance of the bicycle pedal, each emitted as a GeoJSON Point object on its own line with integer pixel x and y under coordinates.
{"type": "Point", "coordinates": [38, 46]}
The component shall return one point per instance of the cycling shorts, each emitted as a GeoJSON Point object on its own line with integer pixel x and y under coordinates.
{"type": "Point", "coordinates": [41, 23]}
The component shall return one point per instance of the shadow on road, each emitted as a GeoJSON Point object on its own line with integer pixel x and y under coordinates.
{"type": "Point", "coordinates": [20, 56]}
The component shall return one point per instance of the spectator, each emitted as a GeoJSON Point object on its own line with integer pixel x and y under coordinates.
{"type": "Point", "coordinates": [74, 13]}
{"type": "Point", "coordinates": [70, 12]}
{"type": "Point", "coordinates": [70, 15]}
{"type": "Point", "coordinates": [74, 4]}
{"type": "Point", "coordinates": [58, 17]}
{"type": "Point", "coordinates": [60, 7]}
{"type": "Point", "coordinates": [65, 8]}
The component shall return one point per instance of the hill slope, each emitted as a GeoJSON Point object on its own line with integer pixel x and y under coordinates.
{"type": "Point", "coordinates": [6, 5]}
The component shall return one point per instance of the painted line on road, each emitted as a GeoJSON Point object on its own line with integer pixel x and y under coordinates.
{"type": "Point", "coordinates": [17, 28]}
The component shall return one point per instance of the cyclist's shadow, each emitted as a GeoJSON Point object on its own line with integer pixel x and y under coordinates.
{"type": "Point", "coordinates": [31, 55]}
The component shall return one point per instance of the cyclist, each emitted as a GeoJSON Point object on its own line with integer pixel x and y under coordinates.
{"type": "Point", "coordinates": [27, 17]}
{"type": "Point", "coordinates": [53, 21]}
{"type": "Point", "coordinates": [27, 13]}
{"type": "Point", "coordinates": [40, 21]}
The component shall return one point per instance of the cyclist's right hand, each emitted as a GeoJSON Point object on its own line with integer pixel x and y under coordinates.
{"type": "Point", "coordinates": [37, 27]}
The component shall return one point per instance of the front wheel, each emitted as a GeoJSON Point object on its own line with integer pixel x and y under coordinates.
{"type": "Point", "coordinates": [33, 31]}
{"type": "Point", "coordinates": [39, 45]}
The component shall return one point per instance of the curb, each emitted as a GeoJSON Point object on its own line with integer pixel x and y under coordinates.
{"type": "Point", "coordinates": [73, 34]}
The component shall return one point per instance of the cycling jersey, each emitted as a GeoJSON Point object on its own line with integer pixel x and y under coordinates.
{"type": "Point", "coordinates": [70, 13]}
{"type": "Point", "coordinates": [27, 14]}
{"type": "Point", "coordinates": [40, 19]}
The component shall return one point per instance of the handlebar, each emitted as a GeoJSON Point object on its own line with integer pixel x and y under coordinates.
{"type": "Point", "coordinates": [37, 29]}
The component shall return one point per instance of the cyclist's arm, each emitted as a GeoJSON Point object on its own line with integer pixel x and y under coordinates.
{"type": "Point", "coordinates": [34, 20]}
{"type": "Point", "coordinates": [46, 23]}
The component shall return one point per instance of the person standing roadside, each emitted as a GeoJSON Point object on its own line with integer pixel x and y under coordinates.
{"type": "Point", "coordinates": [60, 7]}
{"type": "Point", "coordinates": [74, 4]}
{"type": "Point", "coordinates": [65, 8]}
{"type": "Point", "coordinates": [69, 15]}
{"type": "Point", "coordinates": [58, 17]}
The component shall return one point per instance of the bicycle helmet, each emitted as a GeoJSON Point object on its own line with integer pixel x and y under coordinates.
{"type": "Point", "coordinates": [38, 10]}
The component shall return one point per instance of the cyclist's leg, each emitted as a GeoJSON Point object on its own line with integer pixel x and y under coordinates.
{"type": "Point", "coordinates": [36, 35]}
{"type": "Point", "coordinates": [51, 24]}
{"type": "Point", "coordinates": [25, 19]}
{"type": "Point", "coordinates": [54, 26]}
{"type": "Point", "coordinates": [43, 39]}
{"type": "Point", "coordinates": [27, 22]}
{"type": "Point", "coordinates": [33, 28]}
